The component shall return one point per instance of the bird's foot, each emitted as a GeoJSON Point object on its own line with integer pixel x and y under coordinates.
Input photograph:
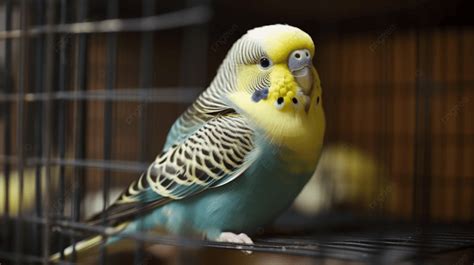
{"type": "Point", "coordinates": [235, 238]}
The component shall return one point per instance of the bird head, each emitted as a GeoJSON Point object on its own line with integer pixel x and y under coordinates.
{"type": "Point", "coordinates": [275, 83]}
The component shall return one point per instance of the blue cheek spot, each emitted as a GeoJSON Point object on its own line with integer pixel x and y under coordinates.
{"type": "Point", "coordinates": [260, 94]}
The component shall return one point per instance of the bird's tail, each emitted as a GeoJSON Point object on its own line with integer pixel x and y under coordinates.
{"type": "Point", "coordinates": [89, 249]}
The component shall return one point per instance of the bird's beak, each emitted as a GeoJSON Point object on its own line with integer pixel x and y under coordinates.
{"type": "Point", "coordinates": [304, 78]}
{"type": "Point", "coordinates": [299, 63]}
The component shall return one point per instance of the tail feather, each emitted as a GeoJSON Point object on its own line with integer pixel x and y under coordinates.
{"type": "Point", "coordinates": [89, 248]}
{"type": "Point", "coordinates": [84, 248]}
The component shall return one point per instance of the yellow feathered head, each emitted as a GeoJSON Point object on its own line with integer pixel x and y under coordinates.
{"type": "Point", "coordinates": [274, 83]}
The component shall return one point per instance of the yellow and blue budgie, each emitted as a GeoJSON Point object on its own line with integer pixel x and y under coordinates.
{"type": "Point", "coordinates": [240, 154]}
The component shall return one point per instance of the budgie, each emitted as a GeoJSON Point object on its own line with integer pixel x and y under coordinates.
{"type": "Point", "coordinates": [240, 154]}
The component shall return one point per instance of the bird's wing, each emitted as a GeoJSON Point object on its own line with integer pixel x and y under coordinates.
{"type": "Point", "coordinates": [212, 156]}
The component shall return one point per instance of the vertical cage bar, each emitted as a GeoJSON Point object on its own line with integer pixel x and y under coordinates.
{"type": "Point", "coordinates": [442, 142]}
{"type": "Point", "coordinates": [146, 78]}
{"type": "Point", "coordinates": [422, 164]}
{"type": "Point", "coordinates": [37, 148]}
{"type": "Point", "coordinates": [80, 117]}
{"type": "Point", "coordinates": [146, 81]}
{"type": "Point", "coordinates": [47, 115]}
{"type": "Point", "coordinates": [111, 65]}
{"type": "Point", "coordinates": [194, 45]}
{"type": "Point", "coordinates": [62, 83]}
{"type": "Point", "coordinates": [460, 136]}
{"type": "Point", "coordinates": [5, 108]}
{"type": "Point", "coordinates": [19, 128]}
{"type": "Point", "coordinates": [383, 95]}
{"type": "Point", "coordinates": [422, 138]}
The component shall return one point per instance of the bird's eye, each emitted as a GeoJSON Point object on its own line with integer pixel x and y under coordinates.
{"type": "Point", "coordinates": [265, 62]}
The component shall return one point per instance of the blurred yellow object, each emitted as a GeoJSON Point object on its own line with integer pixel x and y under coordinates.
{"type": "Point", "coordinates": [91, 203]}
{"type": "Point", "coordinates": [345, 177]}
{"type": "Point", "coordinates": [29, 186]}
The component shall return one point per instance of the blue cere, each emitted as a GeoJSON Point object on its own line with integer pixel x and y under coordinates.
{"type": "Point", "coordinates": [260, 94]}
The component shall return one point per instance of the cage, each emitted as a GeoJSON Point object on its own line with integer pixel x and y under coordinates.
{"type": "Point", "coordinates": [89, 90]}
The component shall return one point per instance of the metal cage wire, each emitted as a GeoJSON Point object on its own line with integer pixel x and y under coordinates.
{"type": "Point", "coordinates": [47, 100]}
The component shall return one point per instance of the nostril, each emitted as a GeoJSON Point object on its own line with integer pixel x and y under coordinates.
{"type": "Point", "coordinates": [298, 59]}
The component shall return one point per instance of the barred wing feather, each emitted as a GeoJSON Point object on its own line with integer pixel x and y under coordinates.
{"type": "Point", "coordinates": [215, 154]}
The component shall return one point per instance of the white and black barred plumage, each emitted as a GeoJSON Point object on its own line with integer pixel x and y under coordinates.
{"type": "Point", "coordinates": [208, 145]}
{"type": "Point", "coordinates": [211, 156]}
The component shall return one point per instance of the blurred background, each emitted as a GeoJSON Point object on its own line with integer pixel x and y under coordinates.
{"type": "Point", "coordinates": [89, 89]}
